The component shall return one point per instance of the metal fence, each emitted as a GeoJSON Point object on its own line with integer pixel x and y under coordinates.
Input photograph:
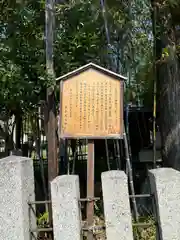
{"type": "Point", "coordinates": [147, 226]}
{"type": "Point", "coordinates": [44, 229]}
{"type": "Point", "coordinates": [143, 229]}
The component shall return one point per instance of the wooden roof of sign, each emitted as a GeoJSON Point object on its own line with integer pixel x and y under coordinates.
{"type": "Point", "coordinates": [91, 103]}
{"type": "Point", "coordinates": [91, 66]}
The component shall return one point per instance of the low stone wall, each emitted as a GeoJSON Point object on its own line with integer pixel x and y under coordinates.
{"type": "Point", "coordinates": [17, 189]}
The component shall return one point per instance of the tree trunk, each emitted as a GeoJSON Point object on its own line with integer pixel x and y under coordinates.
{"type": "Point", "coordinates": [168, 85]}
{"type": "Point", "coordinates": [18, 120]}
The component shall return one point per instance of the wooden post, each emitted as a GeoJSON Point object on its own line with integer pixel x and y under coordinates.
{"type": "Point", "coordinates": [52, 140]}
{"type": "Point", "coordinates": [90, 187]}
{"type": "Point", "coordinates": [51, 121]}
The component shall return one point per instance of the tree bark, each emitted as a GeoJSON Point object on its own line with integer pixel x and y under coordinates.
{"type": "Point", "coordinates": [18, 120]}
{"type": "Point", "coordinates": [168, 85]}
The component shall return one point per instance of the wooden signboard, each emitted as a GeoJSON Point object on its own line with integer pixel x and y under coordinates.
{"type": "Point", "coordinates": [91, 104]}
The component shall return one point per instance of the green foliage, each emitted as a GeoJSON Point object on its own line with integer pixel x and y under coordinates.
{"type": "Point", "coordinates": [43, 219]}
{"type": "Point", "coordinates": [22, 75]}
{"type": "Point", "coordinates": [165, 52]}
{"type": "Point", "coordinates": [146, 233]}
{"type": "Point", "coordinates": [79, 38]}
{"type": "Point", "coordinates": [79, 35]}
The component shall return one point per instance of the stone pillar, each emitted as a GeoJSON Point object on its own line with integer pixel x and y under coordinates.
{"type": "Point", "coordinates": [65, 196]}
{"type": "Point", "coordinates": [165, 185]}
{"type": "Point", "coordinates": [16, 189]}
{"type": "Point", "coordinates": [116, 206]}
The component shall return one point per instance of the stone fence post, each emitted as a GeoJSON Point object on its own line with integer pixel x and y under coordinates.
{"type": "Point", "coordinates": [165, 185]}
{"type": "Point", "coordinates": [16, 189]}
{"type": "Point", "coordinates": [65, 194]}
{"type": "Point", "coordinates": [116, 206]}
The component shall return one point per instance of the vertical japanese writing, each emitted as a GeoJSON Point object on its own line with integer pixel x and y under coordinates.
{"type": "Point", "coordinates": [106, 106]}
{"type": "Point", "coordinates": [110, 107]}
{"type": "Point", "coordinates": [80, 106]}
{"type": "Point", "coordinates": [116, 107]}
{"type": "Point", "coordinates": [93, 100]}
{"type": "Point", "coordinates": [85, 105]}
{"type": "Point", "coordinates": [97, 106]}
{"type": "Point", "coordinates": [89, 106]}
{"type": "Point", "coordinates": [70, 102]}
{"type": "Point", "coordinates": [65, 117]}
{"type": "Point", "coordinates": [102, 106]}
{"type": "Point", "coordinates": [77, 93]}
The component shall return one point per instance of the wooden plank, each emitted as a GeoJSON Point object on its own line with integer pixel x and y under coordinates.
{"type": "Point", "coordinates": [91, 106]}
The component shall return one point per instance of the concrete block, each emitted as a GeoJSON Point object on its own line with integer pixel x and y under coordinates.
{"type": "Point", "coordinates": [65, 194]}
{"type": "Point", "coordinates": [16, 189]}
{"type": "Point", "coordinates": [165, 184]}
{"type": "Point", "coordinates": [116, 205]}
